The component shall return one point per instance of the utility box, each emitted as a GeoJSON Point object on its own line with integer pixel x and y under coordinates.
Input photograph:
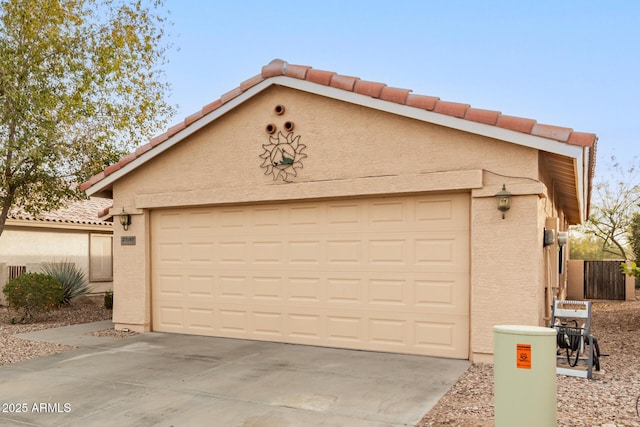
{"type": "Point", "coordinates": [525, 389]}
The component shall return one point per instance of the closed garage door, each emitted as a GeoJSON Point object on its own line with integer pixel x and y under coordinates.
{"type": "Point", "coordinates": [384, 274]}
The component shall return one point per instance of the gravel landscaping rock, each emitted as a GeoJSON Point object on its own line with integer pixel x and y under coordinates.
{"type": "Point", "coordinates": [608, 400]}
{"type": "Point", "coordinates": [13, 349]}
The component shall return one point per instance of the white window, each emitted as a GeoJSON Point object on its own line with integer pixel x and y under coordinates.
{"type": "Point", "coordinates": [100, 258]}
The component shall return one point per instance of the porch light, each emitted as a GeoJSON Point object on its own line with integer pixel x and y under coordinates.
{"type": "Point", "coordinates": [125, 219]}
{"type": "Point", "coordinates": [504, 200]}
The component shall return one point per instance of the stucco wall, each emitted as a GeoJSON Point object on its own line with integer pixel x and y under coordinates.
{"type": "Point", "coordinates": [506, 279]}
{"type": "Point", "coordinates": [33, 246]}
{"type": "Point", "coordinates": [351, 151]}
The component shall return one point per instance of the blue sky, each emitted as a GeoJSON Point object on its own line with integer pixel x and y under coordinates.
{"type": "Point", "coordinates": [567, 63]}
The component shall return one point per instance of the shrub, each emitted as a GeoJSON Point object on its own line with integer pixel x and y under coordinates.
{"type": "Point", "coordinates": [33, 293]}
{"type": "Point", "coordinates": [108, 300]}
{"type": "Point", "coordinates": [74, 281]}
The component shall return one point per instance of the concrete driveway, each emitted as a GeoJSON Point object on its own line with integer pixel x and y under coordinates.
{"type": "Point", "coordinates": [159, 379]}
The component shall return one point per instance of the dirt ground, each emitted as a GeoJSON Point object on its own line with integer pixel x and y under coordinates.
{"type": "Point", "coordinates": [609, 400]}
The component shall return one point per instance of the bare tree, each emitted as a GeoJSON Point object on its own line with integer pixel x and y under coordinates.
{"type": "Point", "coordinates": [616, 199]}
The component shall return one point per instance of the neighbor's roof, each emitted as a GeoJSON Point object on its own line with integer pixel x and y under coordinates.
{"type": "Point", "coordinates": [84, 212]}
{"type": "Point", "coordinates": [558, 140]}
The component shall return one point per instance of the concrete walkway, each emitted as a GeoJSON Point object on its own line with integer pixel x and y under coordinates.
{"type": "Point", "coordinates": [77, 335]}
{"type": "Point", "coordinates": [159, 379]}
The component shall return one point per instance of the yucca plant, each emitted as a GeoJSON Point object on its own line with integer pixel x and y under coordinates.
{"type": "Point", "coordinates": [73, 279]}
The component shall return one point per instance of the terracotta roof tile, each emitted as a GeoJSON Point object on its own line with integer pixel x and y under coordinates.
{"type": "Point", "coordinates": [319, 76]}
{"type": "Point", "coordinates": [105, 211]}
{"type": "Point", "coordinates": [176, 128]}
{"type": "Point", "coordinates": [581, 138]}
{"type": "Point", "coordinates": [112, 168]}
{"type": "Point", "coordinates": [273, 68]}
{"type": "Point", "coordinates": [278, 67]}
{"type": "Point", "coordinates": [249, 83]}
{"type": "Point", "coordinates": [488, 117]}
{"type": "Point", "coordinates": [343, 82]}
{"type": "Point", "coordinates": [142, 149]}
{"type": "Point", "coordinates": [234, 93]}
{"type": "Point", "coordinates": [364, 87]}
{"type": "Point", "coordinates": [193, 118]}
{"type": "Point", "coordinates": [159, 139]}
{"type": "Point", "coordinates": [127, 159]}
{"type": "Point", "coordinates": [454, 109]}
{"type": "Point", "coordinates": [93, 180]}
{"type": "Point", "coordinates": [212, 106]}
{"type": "Point", "coordinates": [422, 101]}
{"type": "Point", "coordinates": [296, 71]}
{"type": "Point", "coordinates": [393, 94]}
{"type": "Point", "coordinates": [518, 124]}
{"type": "Point", "coordinates": [551, 132]}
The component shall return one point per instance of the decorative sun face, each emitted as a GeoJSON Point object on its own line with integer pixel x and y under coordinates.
{"type": "Point", "coordinates": [282, 156]}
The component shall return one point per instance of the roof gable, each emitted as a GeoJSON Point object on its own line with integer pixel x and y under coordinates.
{"type": "Point", "coordinates": [555, 139]}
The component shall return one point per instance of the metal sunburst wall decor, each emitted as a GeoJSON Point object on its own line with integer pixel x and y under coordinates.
{"type": "Point", "coordinates": [284, 153]}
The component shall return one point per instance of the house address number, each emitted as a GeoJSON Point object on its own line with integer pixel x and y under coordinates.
{"type": "Point", "coordinates": [128, 240]}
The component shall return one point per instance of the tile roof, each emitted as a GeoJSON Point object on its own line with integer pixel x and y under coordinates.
{"type": "Point", "coordinates": [84, 212]}
{"type": "Point", "coordinates": [277, 67]}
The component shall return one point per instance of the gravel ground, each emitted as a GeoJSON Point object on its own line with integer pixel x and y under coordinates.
{"type": "Point", "coordinates": [609, 400]}
{"type": "Point", "coordinates": [12, 349]}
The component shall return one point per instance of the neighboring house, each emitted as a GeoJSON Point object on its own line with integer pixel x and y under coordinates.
{"type": "Point", "coordinates": [310, 207]}
{"type": "Point", "coordinates": [73, 233]}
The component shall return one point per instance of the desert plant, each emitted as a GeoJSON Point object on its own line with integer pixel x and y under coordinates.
{"type": "Point", "coordinates": [33, 293]}
{"type": "Point", "coordinates": [108, 300]}
{"type": "Point", "coordinates": [73, 279]}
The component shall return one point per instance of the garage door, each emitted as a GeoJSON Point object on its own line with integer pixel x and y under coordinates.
{"type": "Point", "coordinates": [384, 274]}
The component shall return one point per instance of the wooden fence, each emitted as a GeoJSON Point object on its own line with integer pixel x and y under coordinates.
{"type": "Point", "coordinates": [604, 280]}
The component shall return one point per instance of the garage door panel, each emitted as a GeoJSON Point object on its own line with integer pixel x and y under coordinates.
{"type": "Point", "coordinates": [343, 290]}
{"type": "Point", "coordinates": [232, 287]}
{"type": "Point", "coordinates": [200, 286]}
{"type": "Point", "coordinates": [269, 324]}
{"type": "Point", "coordinates": [170, 317]}
{"type": "Point", "coordinates": [305, 252]}
{"type": "Point", "coordinates": [343, 215]}
{"type": "Point", "coordinates": [267, 288]}
{"type": "Point", "coordinates": [232, 252]}
{"type": "Point", "coordinates": [233, 322]}
{"type": "Point", "coordinates": [304, 217]}
{"type": "Point", "coordinates": [201, 320]}
{"type": "Point", "coordinates": [305, 290]}
{"type": "Point", "coordinates": [168, 285]}
{"type": "Point", "coordinates": [267, 218]}
{"type": "Point", "coordinates": [389, 274]}
{"type": "Point", "coordinates": [440, 294]}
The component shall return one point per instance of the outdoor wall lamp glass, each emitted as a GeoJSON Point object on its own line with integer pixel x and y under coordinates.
{"type": "Point", "coordinates": [504, 200]}
{"type": "Point", "coordinates": [125, 220]}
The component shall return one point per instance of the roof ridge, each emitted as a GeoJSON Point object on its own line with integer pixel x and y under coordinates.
{"type": "Point", "coordinates": [278, 67]}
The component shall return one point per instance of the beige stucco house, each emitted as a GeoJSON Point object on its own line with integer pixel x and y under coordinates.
{"type": "Point", "coordinates": [72, 233]}
{"type": "Point", "coordinates": [315, 208]}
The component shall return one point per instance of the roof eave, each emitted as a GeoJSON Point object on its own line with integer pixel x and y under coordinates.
{"type": "Point", "coordinates": [103, 187]}
{"type": "Point", "coordinates": [59, 225]}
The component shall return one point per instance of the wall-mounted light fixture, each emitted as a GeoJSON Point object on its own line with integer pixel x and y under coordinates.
{"type": "Point", "coordinates": [125, 220]}
{"type": "Point", "coordinates": [504, 200]}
